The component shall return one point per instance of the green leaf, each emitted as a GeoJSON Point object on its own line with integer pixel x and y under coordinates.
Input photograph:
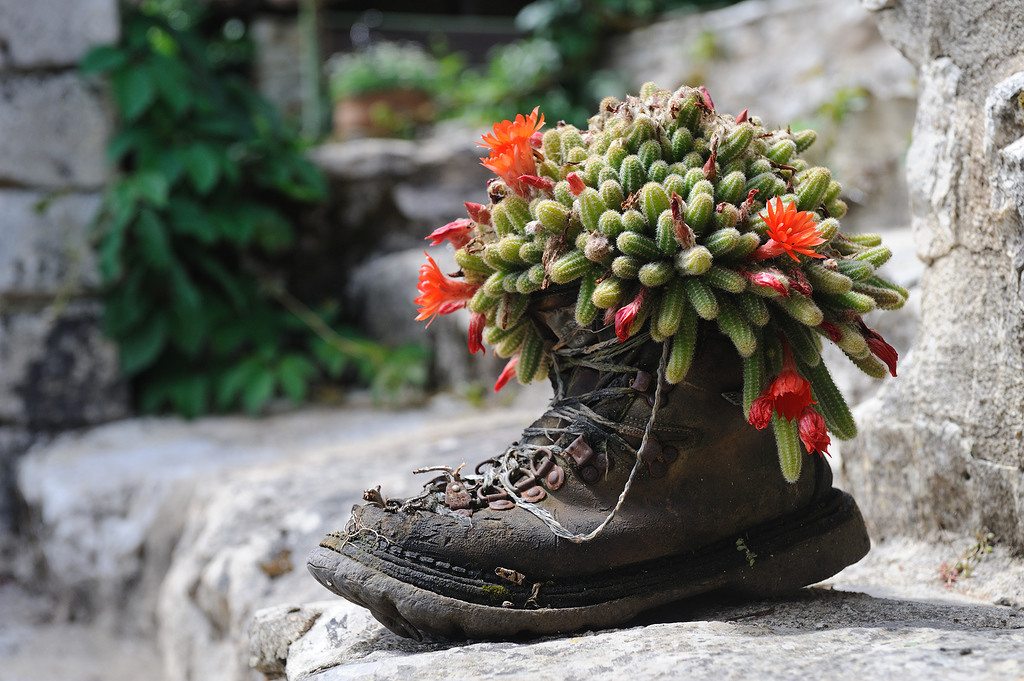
{"type": "Point", "coordinates": [273, 232]}
{"type": "Point", "coordinates": [110, 246]}
{"type": "Point", "coordinates": [294, 373]}
{"type": "Point", "coordinates": [229, 282]}
{"type": "Point", "coordinates": [172, 83]}
{"type": "Point", "coordinates": [258, 390]}
{"type": "Point", "coordinates": [152, 233]}
{"type": "Point", "coordinates": [153, 186]}
{"type": "Point", "coordinates": [133, 91]}
{"type": "Point", "coordinates": [125, 141]}
{"type": "Point", "coordinates": [330, 357]}
{"type": "Point", "coordinates": [122, 203]}
{"type": "Point", "coordinates": [190, 395]}
{"type": "Point", "coordinates": [189, 329]}
{"type": "Point", "coordinates": [191, 218]}
{"type": "Point", "coordinates": [125, 306]}
{"type": "Point", "coordinates": [184, 289]}
{"type": "Point", "coordinates": [232, 381]}
{"type": "Point", "coordinates": [103, 58]}
{"type": "Point", "coordinates": [153, 395]}
{"type": "Point", "coordinates": [238, 224]}
{"type": "Point", "coordinates": [202, 163]}
{"type": "Point", "coordinates": [171, 166]}
{"type": "Point", "coordinates": [140, 348]}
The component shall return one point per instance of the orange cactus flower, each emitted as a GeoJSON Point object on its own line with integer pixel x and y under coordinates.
{"type": "Point", "coordinates": [511, 153]}
{"type": "Point", "coordinates": [790, 231]}
{"type": "Point", "coordinates": [438, 293]}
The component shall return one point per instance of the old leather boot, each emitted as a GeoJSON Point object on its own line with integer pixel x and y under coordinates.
{"type": "Point", "coordinates": [607, 507]}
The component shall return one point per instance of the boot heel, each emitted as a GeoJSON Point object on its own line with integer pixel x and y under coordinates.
{"type": "Point", "coordinates": [805, 551]}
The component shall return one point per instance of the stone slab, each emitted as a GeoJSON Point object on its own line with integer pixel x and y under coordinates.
{"type": "Point", "coordinates": [57, 370]}
{"type": "Point", "coordinates": [36, 647]}
{"type": "Point", "coordinates": [44, 34]}
{"type": "Point", "coordinates": [53, 132]}
{"type": "Point", "coordinates": [243, 545]}
{"type": "Point", "coordinates": [46, 248]}
{"type": "Point", "coordinates": [818, 633]}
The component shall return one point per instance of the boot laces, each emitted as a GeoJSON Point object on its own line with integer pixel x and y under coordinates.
{"type": "Point", "coordinates": [504, 481]}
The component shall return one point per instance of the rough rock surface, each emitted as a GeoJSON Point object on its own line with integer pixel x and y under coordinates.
{"type": "Point", "coordinates": [248, 532]}
{"type": "Point", "coordinates": [941, 446]}
{"type": "Point", "coordinates": [45, 243]}
{"type": "Point", "coordinates": [59, 371]}
{"type": "Point", "coordinates": [382, 292]}
{"type": "Point", "coordinates": [387, 195]}
{"type": "Point", "coordinates": [819, 633]}
{"type": "Point", "coordinates": [182, 530]}
{"type": "Point", "coordinates": [35, 36]}
{"type": "Point", "coordinates": [53, 132]}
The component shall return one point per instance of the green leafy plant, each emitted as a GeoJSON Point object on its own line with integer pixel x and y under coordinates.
{"type": "Point", "coordinates": [381, 67]}
{"type": "Point", "coordinates": [194, 233]}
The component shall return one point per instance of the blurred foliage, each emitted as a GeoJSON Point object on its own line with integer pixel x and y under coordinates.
{"type": "Point", "coordinates": [555, 67]}
{"type": "Point", "coordinates": [381, 67]}
{"type": "Point", "coordinates": [194, 233]}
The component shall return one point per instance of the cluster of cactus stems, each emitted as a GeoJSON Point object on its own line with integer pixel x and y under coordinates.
{"type": "Point", "coordinates": [663, 213]}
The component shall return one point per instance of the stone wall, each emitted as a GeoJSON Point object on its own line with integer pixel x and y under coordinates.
{"type": "Point", "coordinates": [385, 196]}
{"type": "Point", "coordinates": [56, 370]}
{"type": "Point", "coordinates": [942, 448]}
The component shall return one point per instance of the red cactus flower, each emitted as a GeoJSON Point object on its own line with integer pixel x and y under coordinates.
{"type": "Point", "coordinates": [790, 393]}
{"type": "Point", "coordinates": [761, 412]}
{"type": "Point", "coordinates": [627, 314]}
{"type": "Point", "coordinates": [477, 321]}
{"type": "Point", "coordinates": [770, 278]}
{"type": "Point", "coordinates": [813, 432]}
{"type": "Point", "coordinates": [456, 232]}
{"type": "Point", "coordinates": [790, 231]}
{"type": "Point", "coordinates": [834, 334]}
{"type": "Point", "coordinates": [879, 347]}
{"type": "Point", "coordinates": [576, 184]}
{"type": "Point", "coordinates": [705, 98]}
{"type": "Point", "coordinates": [511, 154]}
{"type": "Point", "coordinates": [787, 395]}
{"type": "Point", "coordinates": [507, 373]}
{"type": "Point", "coordinates": [478, 212]}
{"type": "Point", "coordinates": [542, 183]}
{"type": "Point", "coordinates": [438, 293]}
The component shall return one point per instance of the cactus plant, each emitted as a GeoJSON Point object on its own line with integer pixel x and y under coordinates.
{"type": "Point", "coordinates": [664, 211]}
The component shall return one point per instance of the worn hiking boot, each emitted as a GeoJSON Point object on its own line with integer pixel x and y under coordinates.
{"type": "Point", "coordinates": [627, 494]}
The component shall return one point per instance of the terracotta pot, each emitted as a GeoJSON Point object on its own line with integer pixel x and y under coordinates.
{"type": "Point", "coordinates": [381, 114]}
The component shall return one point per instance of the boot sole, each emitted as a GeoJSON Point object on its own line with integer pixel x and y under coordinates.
{"type": "Point", "coordinates": [453, 603]}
